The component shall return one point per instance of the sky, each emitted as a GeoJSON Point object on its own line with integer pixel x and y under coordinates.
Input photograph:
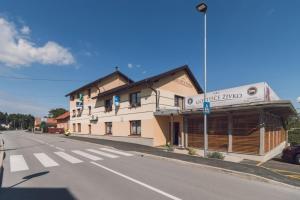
{"type": "Point", "coordinates": [63, 44]}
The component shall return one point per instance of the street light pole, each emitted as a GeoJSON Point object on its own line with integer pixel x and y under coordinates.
{"type": "Point", "coordinates": [202, 7]}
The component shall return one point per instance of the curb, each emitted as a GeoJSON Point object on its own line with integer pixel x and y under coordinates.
{"type": "Point", "coordinates": [1, 160]}
{"type": "Point", "coordinates": [240, 174]}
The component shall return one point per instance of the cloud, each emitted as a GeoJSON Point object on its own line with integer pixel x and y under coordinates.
{"type": "Point", "coordinates": [298, 99]}
{"type": "Point", "coordinates": [130, 65]}
{"type": "Point", "coordinates": [17, 50]}
{"type": "Point", "coordinates": [25, 30]}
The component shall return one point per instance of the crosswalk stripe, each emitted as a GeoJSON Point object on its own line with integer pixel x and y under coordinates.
{"type": "Point", "coordinates": [68, 157]}
{"type": "Point", "coordinates": [17, 163]}
{"type": "Point", "coordinates": [45, 160]}
{"type": "Point", "coordinates": [116, 152]}
{"type": "Point", "coordinates": [87, 155]}
{"type": "Point", "coordinates": [103, 153]}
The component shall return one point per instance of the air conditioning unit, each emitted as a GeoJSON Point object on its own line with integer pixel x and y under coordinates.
{"type": "Point", "coordinates": [93, 118]}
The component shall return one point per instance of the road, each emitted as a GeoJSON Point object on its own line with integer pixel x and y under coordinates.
{"type": "Point", "coordinates": [53, 167]}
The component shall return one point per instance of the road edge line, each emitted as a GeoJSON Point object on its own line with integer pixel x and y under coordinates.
{"type": "Point", "coordinates": [1, 160]}
{"type": "Point", "coordinates": [241, 174]}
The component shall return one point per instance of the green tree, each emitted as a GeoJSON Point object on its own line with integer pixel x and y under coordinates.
{"type": "Point", "coordinates": [53, 113]}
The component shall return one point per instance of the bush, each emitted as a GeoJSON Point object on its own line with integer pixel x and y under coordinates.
{"type": "Point", "coordinates": [294, 137]}
{"type": "Point", "coordinates": [169, 147]}
{"type": "Point", "coordinates": [216, 155]}
{"type": "Point", "coordinates": [192, 151]}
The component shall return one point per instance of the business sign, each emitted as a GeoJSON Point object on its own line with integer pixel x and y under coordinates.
{"type": "Point", "coordinates": [117, 101]}
{"type": "Point", "coordinates": [258, 92]}
{"type": "Point", "coordinates": [79, 104]}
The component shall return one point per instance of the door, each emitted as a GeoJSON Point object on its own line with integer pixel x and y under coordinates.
{"type": "Point", "coordinates": [176, 133]}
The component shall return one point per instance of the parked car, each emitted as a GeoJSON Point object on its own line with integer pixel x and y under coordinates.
{"type": "Point", "coordinates": [291, 154]}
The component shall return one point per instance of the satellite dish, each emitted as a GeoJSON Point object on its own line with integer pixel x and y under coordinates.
{"type": "Point", "coordinates": [298, 99]}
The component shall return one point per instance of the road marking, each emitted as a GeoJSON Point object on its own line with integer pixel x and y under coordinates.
{"type": "Point", "coordinates": [102, 153]}
{"type": "Point", "coordinates": [17, 163]}
{"type": "Point", "coordinates": [116, 152]}
{"type": "Point", "coordinates": [138, 182]}
{"type": "Point", "coordinates": [87, 155]}
{"type": "Point", "coordinates": [68, 157]}
{"type": "Point", "coordinates": [45, 160]}
{"type": "Point", "coordinates": [59, 148]}
{"type": "Point", "coordinates": [284, 171]}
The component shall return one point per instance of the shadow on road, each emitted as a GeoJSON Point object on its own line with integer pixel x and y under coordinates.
{"type": "Point", "coordinates": [36, 194]}
{"type": "Point", "coordinates": [26, 178]}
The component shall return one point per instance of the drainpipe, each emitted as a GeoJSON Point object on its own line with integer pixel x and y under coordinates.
{"type": "Point", "coordinates": [157, 95]}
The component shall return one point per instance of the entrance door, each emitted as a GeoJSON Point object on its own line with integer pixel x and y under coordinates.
{"type": "Point", "coordinates": [176, 133]}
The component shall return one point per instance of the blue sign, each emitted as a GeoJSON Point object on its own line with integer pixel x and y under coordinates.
{"type": "Point", "coordinates": [117, 100]}
{"type": "Point", "coordinates": [206, 107]}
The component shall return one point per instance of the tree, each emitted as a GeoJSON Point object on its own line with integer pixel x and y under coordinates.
{"type": "Point", "coordinates": [53, 113]}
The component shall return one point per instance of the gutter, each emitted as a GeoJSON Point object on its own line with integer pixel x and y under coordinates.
{"type": "Point", "coordinates": [157, 96]}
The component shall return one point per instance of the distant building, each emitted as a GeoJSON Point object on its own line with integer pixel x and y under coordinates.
{"type": "Point", "coordinates": [37, 122]}
{"type": "Point", "coordinates": [51, 122]}
{"type": "Point", "coordinates": [63, 121]}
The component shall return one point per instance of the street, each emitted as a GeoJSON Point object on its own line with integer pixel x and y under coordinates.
{"type": "Point", "coordinates": [40, 166]}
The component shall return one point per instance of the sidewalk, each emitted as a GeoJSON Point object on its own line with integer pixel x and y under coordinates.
{"type": "Point", "coordinates": [238, 167]}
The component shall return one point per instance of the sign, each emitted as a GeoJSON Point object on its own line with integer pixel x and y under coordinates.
{"type": "Point", "coordinates": [79, 104]}
{"type": "Point", "coordinates": [206, 106]}
{"type": "Point", "coordinates": [258, 92]}
{"type": "Point", "coordinates": [117, 100]}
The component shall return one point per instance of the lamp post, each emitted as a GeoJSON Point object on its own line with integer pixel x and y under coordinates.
{"type": "Point", "coordinates": [202, 7]}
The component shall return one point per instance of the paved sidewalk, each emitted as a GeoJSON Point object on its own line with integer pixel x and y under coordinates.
{"type": "Point", "coordinates": [245, 168]}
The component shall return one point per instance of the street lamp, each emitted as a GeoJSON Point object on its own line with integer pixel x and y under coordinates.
{"type": "Point", "coordinates": [202, 7]}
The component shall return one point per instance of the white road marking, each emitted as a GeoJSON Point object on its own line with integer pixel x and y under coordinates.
{"type": "Point", "coordinates": [87, 155]}
{"type": "Point", "coordinates": [17, 163]}
{"type": "Point", "coordinates": [116, 152]}
{"type": "Point", "coordinates": [138, 182]}
{"type": "Point", "coordinates": [68, 157]}
{"type": "Point", "coordinates": [102, 153]}
{"type": "Point", "coordinates": [59, 148]}
{"type": "Point", "coordinates": [45, 160]}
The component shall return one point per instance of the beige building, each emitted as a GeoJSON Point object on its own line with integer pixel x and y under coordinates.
{"type": "Point", "coordinates": [100, 112]}
{"type": "Point", "coordinates": [247, 120]}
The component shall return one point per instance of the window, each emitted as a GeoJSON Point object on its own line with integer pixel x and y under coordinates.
{"type": "Point", "coordinates": [89, 93]}
{"type": "Point", "coordinates": [135, 99]}
{"type": "Point", "coordinates": [79, 127]}
{"type": "Point", "coordinates": [90, 110]}
{"type": "Point", "coordinates": [178, 101]}
{"type": "Point", "coordinates": [90, 129]}
{"type": "Point", "coordinates": [78, 112]}
{"type": "Point", "coordinates": [77, 95]}
{"type": "Point", "coordinates": [135, 127]}
{"type": "Point", "coordinates": [74, 127]}
{"type": "Point", "coordinates": [108, 127]}
{"type": "Point", "coordinates": [72, 97]}
{"type": "Point", "coordinates": [108, 105]}
{"type": "Point", "coordinates": [74, 113]}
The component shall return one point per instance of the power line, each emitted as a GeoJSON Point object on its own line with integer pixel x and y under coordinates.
{"type": "Point", "coordinates": [41, 79]}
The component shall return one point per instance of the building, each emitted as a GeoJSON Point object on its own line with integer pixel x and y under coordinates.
{"type": "Point", "coordinates": [63, 121]}
{"type": "Point", "coordinates": [115, 105]}
{"type": "Point", "coordinates": [162, 109]}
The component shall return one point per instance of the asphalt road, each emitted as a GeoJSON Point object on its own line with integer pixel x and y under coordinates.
{"type": "Point", "coordinates": [53, 167]}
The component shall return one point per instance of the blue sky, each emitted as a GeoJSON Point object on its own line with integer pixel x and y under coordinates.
{"type": "Point", "coordinates": [248, 42]}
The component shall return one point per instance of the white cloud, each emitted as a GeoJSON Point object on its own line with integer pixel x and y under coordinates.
{"type": "Point", "coordinates": [16, 50]}
{"type": "Point", "coordinates": [298, 99]}
{"type": "Point", "coordinates": [130, 65]}
{"type": "Point", "coordinates": [25, 30]}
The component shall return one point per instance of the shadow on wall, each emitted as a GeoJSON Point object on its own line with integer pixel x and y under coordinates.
{"type": "Point", "coordinates": [36, 193]}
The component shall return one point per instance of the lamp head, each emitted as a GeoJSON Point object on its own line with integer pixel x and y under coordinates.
{"type": "Point", "coordinates": [202, 7]}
